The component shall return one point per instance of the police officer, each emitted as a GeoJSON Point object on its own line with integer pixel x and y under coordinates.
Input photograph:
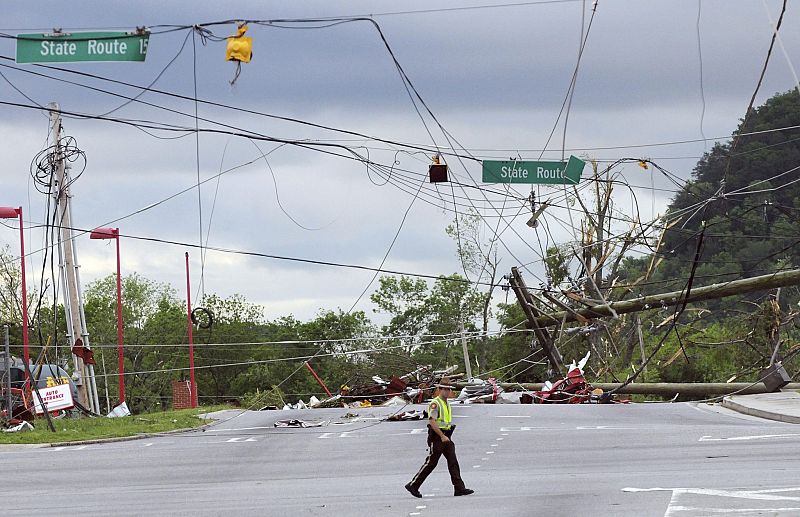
{"type": "Point", "coordinates": [440, 430]}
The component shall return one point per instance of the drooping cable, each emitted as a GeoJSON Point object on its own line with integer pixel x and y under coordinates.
{"type": "Point", "coordinates": [700, 64]}
{"type": "Point", "coordinates": [197, 163]}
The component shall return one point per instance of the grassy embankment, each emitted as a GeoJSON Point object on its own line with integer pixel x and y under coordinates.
{"type": "Point", "coordinates": [77, 429]}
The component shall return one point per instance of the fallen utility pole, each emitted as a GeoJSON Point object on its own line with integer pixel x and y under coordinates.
{"type": "Point", "coordinates": [656, 301]}
{"type": "Point", "coordinates": [525, 299]}
{"type": "Point", "coordinates": [667, 389]}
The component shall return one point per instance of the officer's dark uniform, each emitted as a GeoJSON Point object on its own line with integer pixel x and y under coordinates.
{"type": "Point", "coordinates": [439, 411]}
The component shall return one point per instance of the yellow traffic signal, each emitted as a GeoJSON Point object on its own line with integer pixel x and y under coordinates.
{"type": "Point", "coordinates": [240, 47]}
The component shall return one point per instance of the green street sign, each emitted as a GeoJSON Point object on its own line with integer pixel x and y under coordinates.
{"type": "Point", "coordinates": [82, 46]}
{"type": "Point", "coordinates": [549, 173]}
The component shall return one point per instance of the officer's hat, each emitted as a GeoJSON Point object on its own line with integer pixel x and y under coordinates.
{"type": "Point", "coordinates": [444, 383]}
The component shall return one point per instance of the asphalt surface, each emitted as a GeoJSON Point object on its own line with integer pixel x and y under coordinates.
{"type": "Point", "coordinates": [632, 460]}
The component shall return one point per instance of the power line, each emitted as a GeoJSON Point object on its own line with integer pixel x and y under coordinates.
{"type": "Point", "coordinates": [367, 137]}
{"type": "Point", "coordinates": [435, 338]}
{"type": "Point", "coordinates": [277, 257]}
{"type": "Point", "coordinates": [174, 28]}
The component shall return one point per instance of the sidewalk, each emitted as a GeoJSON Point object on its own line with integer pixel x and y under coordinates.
{"type": "Point", "coordinates": [783, 406]}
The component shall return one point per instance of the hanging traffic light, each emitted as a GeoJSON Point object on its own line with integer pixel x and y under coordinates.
{"type": "Point", "coordinates": [240, 47]}
{"type": "Point", "coordinates": [437, 171]}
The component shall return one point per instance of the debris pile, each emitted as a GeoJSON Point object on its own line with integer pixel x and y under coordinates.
{"type": "Point", "coordinates": [413, 387]}
{"type": "Point", "coordinates": [572, 389]}
{"type": "Point", "coordinates": [419, 385]}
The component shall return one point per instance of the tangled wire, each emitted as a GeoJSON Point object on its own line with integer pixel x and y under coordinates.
{"type": "Point", "coordinates": [43, 165]}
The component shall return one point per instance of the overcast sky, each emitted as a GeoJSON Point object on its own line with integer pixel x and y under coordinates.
{"type": "Point", "coordinates": [495, 78]}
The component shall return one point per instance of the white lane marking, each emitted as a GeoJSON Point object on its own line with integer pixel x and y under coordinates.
{"type": "Point", "coordinates": [493, 445]}
{"type": "Point", "coordinates": [345, 434]}
{"type": "Point", "coordinates": [600, 427]}
{"type": "Point", "coordinates": [489, 452]}
{"type": "Point", "coordinates": [414, 513]}
{"type": "Point", "coordinates": [412, 431]}
{"type": "Point", "coordinates": [673, 501]}
{"type": "Point", "coordinates": [515, 429]}
{"type": "Point", "coordinates": [476, 466]}
{"type": "Point", "coordinates": [484, 459]}
{"type": "Point", "coordinates": [499, 439]}
{"type": "Point", "coordinates": [421, 507]}
{"type": "Point", "coordinates": [240, 439]}
{"type": "Point", "coordinates": [741, 438]}
{"type": "Point", "coordinates": [505, 434]}
{"type": "Point", "coordinates": [242, 429]}
{"type": "Point", "coordinates": [148, 444]}
{"type": "Point", "coordinates": [512, 416]}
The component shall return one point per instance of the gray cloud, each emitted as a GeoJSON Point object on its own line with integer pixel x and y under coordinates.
{"type": "Point", "coordinates": [494, 78]}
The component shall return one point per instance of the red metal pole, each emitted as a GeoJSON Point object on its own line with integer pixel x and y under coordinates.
{"type": "Point", "coordinates": [318, 379]}
{"type": "Point", "coordinates": [25, 352]}
{"type": "Point", "coordinates": [120, 355]}
{"type": "Point", "coordinates": [191, 342]}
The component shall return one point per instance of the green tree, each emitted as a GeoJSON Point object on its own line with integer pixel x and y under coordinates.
{"type": "Point", "coordinates": [480, 262]}
{"type": "Point", "coordinates": [152, 317]}
{"type": "Point", "coordinates": [421, 315]}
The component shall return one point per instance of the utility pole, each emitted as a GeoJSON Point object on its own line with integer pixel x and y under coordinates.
{"type": "Point", "coordinates": [534, 316]}
{"type": "Point", "coordinates": [7, 374]}
{"type": "Point", "coordinates": [466, 353]}
{"type": "Point", "coordinates": [641, 342]}
{"type": "Point", "coordinates": [70, 274]}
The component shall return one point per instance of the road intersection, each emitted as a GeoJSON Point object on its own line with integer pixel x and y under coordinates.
{"type": "Point", "coordinates": [680, 459]}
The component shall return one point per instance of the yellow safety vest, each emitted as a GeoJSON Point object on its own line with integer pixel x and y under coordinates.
{"type": "Point", "coordinates": [444, 417]}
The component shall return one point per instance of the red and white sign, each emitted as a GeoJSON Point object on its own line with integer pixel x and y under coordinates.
{"type": "Point", "coordinates": [55, 398]}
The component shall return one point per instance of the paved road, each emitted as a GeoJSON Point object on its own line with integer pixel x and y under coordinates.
{"type": "Point", "coordinates": [630, 460]}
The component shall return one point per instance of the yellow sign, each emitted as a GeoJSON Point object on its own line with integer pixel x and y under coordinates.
{"type": "Point", "coordinates": [51, 382]}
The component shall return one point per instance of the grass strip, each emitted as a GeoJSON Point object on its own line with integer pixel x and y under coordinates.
{"type": "Point", "coordinates": [78, 429]}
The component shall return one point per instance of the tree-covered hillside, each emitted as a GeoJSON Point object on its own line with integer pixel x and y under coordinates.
{"type": "Point", "coordinates": [741, 212]}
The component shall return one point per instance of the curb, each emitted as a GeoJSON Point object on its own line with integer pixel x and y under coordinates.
{"type": "Point", "coordinates": [769, 415]}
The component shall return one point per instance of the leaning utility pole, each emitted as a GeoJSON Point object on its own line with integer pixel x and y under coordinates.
{"type": "Point", "coordinates": [70, 274]}
{"type": "Point", "coordinates": [525, 300]}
